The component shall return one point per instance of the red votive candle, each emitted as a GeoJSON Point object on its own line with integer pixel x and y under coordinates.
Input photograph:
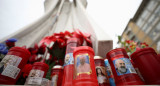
{"type": "Point", "coordinates": [124, 72]}
{"type": "Point", "coordinates": [137, 70]}
{"type": "Point", "coordinates": [41, 67]}
{"type": "Point", "coordinates": [148, 63]}
{"type": "Point", "coordinates": [102, 76]}
{"type": "Point", "coordinates": [69, 62]}
{"type": "Point", "coordinates": [57, 75]}
{"type": "Point", "coordinates": [12, 64]}
{"type": "Point", "coordinates": [38, 72]}
{"type": "Point", "coordinates": [158, 55]}
{"type": "Point", "coordinates": [84, 67]}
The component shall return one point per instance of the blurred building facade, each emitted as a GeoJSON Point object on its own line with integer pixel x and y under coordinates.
{"type": "Point", "coordinates": [145, 25]}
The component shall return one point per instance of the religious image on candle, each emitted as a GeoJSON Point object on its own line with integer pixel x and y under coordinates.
{"type": "Point", "coordinates": [36, 73]}
{"type": "Point", "coordinates": [123, 66]}
{"type": "Point", "coordinates": [69, 59]}
{"type": "Point", "coordinates": [82, 64]}
{"type": "Point", "coordinates": [101, 75]}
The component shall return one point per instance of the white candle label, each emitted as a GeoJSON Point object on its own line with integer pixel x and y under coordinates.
{"type": "Point", "coordinates": [9, 66]}
{"type": "Point", "coordinates": [11, 71]}
{"type": "Point", "coordinates": [34, 80]}
{"type": "Point", "coordinates": [54, 80]}
{"type": "Point", "coordinates": [35, 77]}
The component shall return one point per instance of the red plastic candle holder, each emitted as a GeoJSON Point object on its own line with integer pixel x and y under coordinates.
{"type": "Point", "coordinates": [12, 64]}
{"type": "Point", "coordinates": [69, 62]}
{"type": "Point", "coordinates": [148, 63]}
{"type": "Point", "coordinates": [36, 75]}
{"type": "Point", "coordinates": [84, 67]}
{"type": "Point", "coordinates": [57, 75]}
{"type": "Point", "coordinates": [40, 68]}
{"type": "Point", "coordinates": [123, 71]}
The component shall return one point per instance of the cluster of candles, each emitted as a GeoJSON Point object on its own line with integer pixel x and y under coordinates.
{"type": "Point", "coordinates": [83, 68]}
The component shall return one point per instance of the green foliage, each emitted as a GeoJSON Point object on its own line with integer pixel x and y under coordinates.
{"type": "Point", "coordinates": [48, 76]}
{"type": "Point", "coordinates": [56, 52]}
{"type": "Point", "coordinates": [119, 38]}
